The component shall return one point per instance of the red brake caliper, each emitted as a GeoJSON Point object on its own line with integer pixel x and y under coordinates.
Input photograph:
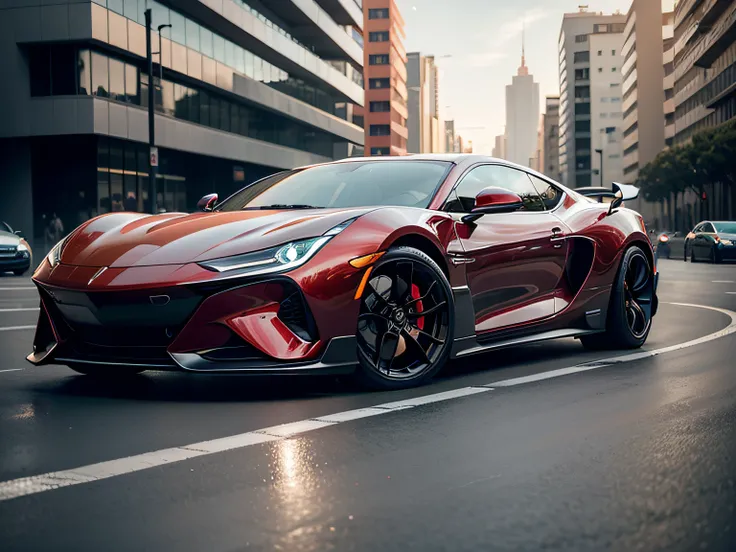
{"type": "Point", "coordinates": [418, 307]}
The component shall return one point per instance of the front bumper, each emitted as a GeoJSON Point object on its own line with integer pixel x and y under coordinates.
{"type": "Point", "coordinates": [14, 263]}
{"type": "Point", "coordinates": [726, 252]}
{"type": "Point", "coordinates": [261, 327]}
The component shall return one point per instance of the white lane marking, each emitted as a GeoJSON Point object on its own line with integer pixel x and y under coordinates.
{"type": "Point", "coordinates": [731, 293]}
{"type": "Point", "coordinates": [723, 282]}
{"type": "Point", "coordinates": [731, 328]}
{"type": "Point", "coordinates": [24, 486]}
{"type": "Point", "coordinates": [13, 370]}
{"type": "Point", "coordinates": [18, 288]}
{"type": "Point", "coordinates": [15, 328]}
{"type": "Point", "coordinates": [20, 310]}
{"type": "Point", "coordinates": [95, 472]}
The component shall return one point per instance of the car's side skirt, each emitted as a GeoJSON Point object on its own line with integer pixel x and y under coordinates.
{"type": "Point", "coordinates": [470, 346]}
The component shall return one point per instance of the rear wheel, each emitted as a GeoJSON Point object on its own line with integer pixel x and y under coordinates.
{"type": "Point", "coordinates": [630, 309]}
{"type": "Point", "coordinates": [20, 272]}
{"type": "Point", "coordinates": [406, 321]}
{"type": "Point", "coordinates": [109, 372]}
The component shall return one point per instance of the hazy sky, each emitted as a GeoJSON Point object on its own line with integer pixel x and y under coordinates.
{"type": "Point", "coordinates": [483, 38]}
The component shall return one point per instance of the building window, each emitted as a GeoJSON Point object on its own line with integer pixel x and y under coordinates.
{"type": "Point", "coordinates": [581, 57]}
{"type": "Point", "coordinates": [100, 78]}
{"type": "Point", "coordinates": [600, 69]}
{"type": "Point", "coordinates": [600, 53]}
{"type": "Point", "coordinates": [581, 38]}
{"type": "Point", "coordinates": [378, 36]}
{"type": "Point", "coordinates": [378, 59]}
{"type": "Point", "coordinates": [613, 69]}
{"type": "Point", "coordinates": [379, 83]}
{"type": "Point", "coordinates": [613, 52]}
{"type": "Point", "coordinates": [380, 151]}
{"type": "Point", "coordinates": [378, 13]}
{"type": "Point", "coordinates": [582, 74]}
{"type": "Point", "coordinates": [380, 130]}
{"type": "Point", "coordinates": [582, 92]}
{"type": "Point", "coordinates": [380, 107]}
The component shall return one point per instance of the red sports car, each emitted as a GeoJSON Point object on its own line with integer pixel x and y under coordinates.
{"type": "Point", "coordinates": [386, 267]}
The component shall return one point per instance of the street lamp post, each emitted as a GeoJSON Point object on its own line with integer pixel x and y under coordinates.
{"type": "Point", "coordinates": [600, 152]}
{"type": "Point", "coordinates": [152, 153]}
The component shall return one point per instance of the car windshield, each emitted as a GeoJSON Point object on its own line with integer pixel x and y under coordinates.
{"type": "Point", "coordinates": [725, 227]}
{"type": "Point", "coordinates": [342, 185]}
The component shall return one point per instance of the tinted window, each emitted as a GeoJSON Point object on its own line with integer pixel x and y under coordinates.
{"type": "Point", "coordinates": [380, 106]}
{"type": "Point", "coordinates": [378, 13]}
{"type": "Point", "coordinates": [342, 185]}
{"type": "Point", "coordinates": [551, 195]}
{"type": "Point", "coordinates": [379, 36]}
{"type": "Point", "coordinates": [708, 228]}
{"type": "Point", "coordinates": [5, 227]}
{"type": "Point", "coordinates": [726, 227]}
{"type": "Point", "coordinates": [498, 176]}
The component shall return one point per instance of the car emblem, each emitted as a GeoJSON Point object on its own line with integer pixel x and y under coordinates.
{"type": "Point", "coordinates": [159, 300]}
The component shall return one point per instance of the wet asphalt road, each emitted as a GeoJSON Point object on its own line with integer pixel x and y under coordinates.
{"type": "Point", "coordinates": [639, 455]}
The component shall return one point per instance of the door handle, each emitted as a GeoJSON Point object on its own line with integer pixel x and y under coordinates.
{"type": "Point", "coordinates": [557, 236]}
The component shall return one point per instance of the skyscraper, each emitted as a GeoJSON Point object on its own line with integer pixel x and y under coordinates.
{"type": "Point", "coordinates": [589, 73]}
{"type": "Point", "coordinates": [425, 132]}
{"type": "Point", "coordinates": [499, 147]}
{"type": "Point", "coordinates": [550, 129]}
{"type": "Point", "coordinates": [385, 79]}
{"type": "Point", "coordinates": [522, 115]}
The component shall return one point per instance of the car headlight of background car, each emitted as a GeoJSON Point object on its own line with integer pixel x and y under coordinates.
{"type": "Point", "coordinates": [276, 259]}
{"type": "Point", "coordinates": [23, 250]}
{"type": "Point", "coordinates": [726, 242]}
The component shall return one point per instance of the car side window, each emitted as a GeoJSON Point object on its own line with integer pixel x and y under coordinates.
{"type": "Point", "coordinates": [708, 228]}
{"type": "Point", "coordinates": [551, 195]}
{"type": "Point", "coordinates": [5, 227]}
{"type": "Point", "coordinates": [487, 176]}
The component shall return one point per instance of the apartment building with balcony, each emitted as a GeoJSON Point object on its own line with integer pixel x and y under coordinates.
{"type": "Point", "coordinates": [648, 82]}
{"type": "Point", "coordinates": [242, 89]}
{"type": "Point", "coordinates": [705, 65]}
{"type": "Point", "coordinates": [386, 93]}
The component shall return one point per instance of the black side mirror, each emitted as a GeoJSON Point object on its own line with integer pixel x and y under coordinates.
{"type": "Point", "coordinates": [207, 203]}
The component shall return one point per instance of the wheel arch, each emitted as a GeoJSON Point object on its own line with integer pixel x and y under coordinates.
{"type": "Point", "coordinates": [425, 245]}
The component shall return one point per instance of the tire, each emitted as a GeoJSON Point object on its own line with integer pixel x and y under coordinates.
{"type": "Point", "coordinates": [20, 272]}
{"type": "Point", "coordinates": [632, 297]}
{"type": "Point", "coordinates": [398, 349]}
{"type": "Point", "coordinates": [714, 255]}
{"type": "Point", "coordinates": [692, 256]}
{"type": "Point", "coordinates": [107, 372]}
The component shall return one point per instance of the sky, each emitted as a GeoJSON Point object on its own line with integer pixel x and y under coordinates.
{"type": "Point", "coordinates": [477, 44]}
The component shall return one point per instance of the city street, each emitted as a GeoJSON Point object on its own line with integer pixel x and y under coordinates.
{"type": "Point", "coordinates": [538, 447]}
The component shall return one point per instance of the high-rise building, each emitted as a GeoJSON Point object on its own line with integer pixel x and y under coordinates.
{"type": "Point", "coordinates": [449, 136]}
{"type": "Point", "coordinates": [606, 116]}
{"type": "Point", "coordinates": [643, 73]}
{"type": "Point", "coordinates": [668, 45]}
{"type": "Point", "coordinates": [705, 65]}
{"type": "Point", "coordinates": [522, 115]}
{"type": "Point", "coordinates": [245, 89]}
{"type": "Point", "coordinates": [582, 37]}
{"type": "Point", "coordinates": [423, 122]}
{"type": "Point", "coordinates": [499, 147]}
{"type": "Point", "coordinates": [550, 129]}
{"type": "Point", "coordinates": [386, 93]}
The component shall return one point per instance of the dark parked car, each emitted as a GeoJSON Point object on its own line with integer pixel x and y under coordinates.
{"type": "Point", "coordinates": [15, 253]}
{"type": "Point", "coordinates": [713, 241]}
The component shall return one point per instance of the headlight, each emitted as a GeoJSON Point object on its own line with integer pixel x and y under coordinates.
{"type": "Point", "coordinates": [276, 259]}
{"type": "Point", "coordinates": [22, 247]}
{"type": "Point", "coordinates": [55, 254]}
{"type": "Point", "coordinates": [726, 242]}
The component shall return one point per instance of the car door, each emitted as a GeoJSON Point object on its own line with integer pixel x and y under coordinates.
{"type": "Point", "coordinates": [702, 243]}
{"type": "Point", "coordinates": [516, 260]}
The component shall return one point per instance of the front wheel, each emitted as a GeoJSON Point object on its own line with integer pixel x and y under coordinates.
{"type": "Point", "coordinates": [108, 372]}
{"type": "Point", "coordinates": [630, 308]}
{"type": "Point", "coordinates": [406, 321]}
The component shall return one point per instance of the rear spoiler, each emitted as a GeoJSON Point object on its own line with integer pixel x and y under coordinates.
{"type": "Point", "coordinates": [618, 193]}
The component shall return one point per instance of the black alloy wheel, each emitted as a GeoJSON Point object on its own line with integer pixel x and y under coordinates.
{"type": "Point", "coordinates": [631, 305]}
{"type": "Point", "coordinates": [406, 321]}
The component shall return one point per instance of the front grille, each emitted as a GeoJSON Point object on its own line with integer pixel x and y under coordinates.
{"type": "Point", "coordinates": [8, 251]}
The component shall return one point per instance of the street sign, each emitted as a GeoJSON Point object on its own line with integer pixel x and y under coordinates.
{"type": "Point", "coordinates": [154, 156]}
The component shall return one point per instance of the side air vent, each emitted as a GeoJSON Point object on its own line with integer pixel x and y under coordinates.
{"type": "Point", "coordinates": [295, 314]}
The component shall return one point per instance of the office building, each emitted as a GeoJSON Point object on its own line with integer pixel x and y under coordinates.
{"type": "Point", "coordinates": [499, 147]}
{"type": "Point", "coordinates": [423, 122]}
{"type": "Point", "coordinates": [241, 91]}
{"type": "Point", "coordinates": [386, 93]}
{"type": "Point", "coordinates": [449, 136]}
{"type": "Point", "coordinates": [583, 49]}
{"type": "Point", "coordinates": [705, 65]}
{"type": "Point", "coordinates": [522, 116]}
{"type": "Point", "coordinates": [550, 131]}
{"type": "Point", "coordinates": [646, 86]}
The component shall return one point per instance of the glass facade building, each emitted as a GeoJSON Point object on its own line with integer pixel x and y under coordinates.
{"type": "Point", "coordinates": [240, 91]}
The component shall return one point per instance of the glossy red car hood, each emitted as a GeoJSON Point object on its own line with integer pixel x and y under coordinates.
{"type": "Point", "coordinates": [134, 239]}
